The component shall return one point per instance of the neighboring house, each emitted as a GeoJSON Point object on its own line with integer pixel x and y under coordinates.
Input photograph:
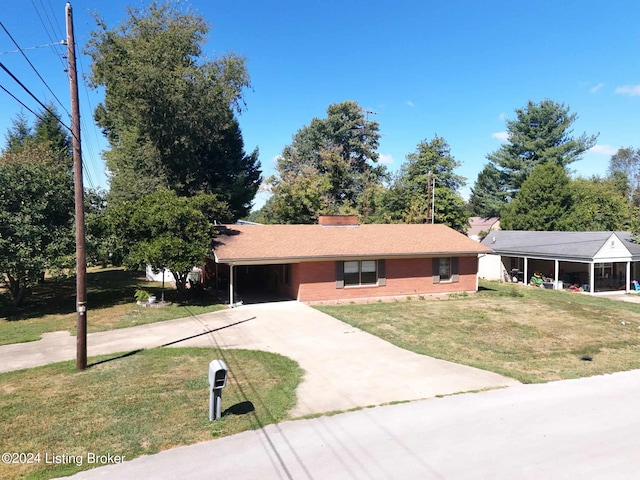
{"type": "Point", "coordinates": [341, 260]}
{"type": "Point", "coordinates": [151, 276]}
{"type": "Point", "coordinates": [593, 261]}
{"type": "Point", "coordinates": [481, 224]}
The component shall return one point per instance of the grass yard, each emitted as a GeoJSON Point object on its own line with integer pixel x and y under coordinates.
{"type": "Point", "coordinates": [111, 304]}
{"type": "Point", "coordinates": [530, 334]}
{"type": "Point", "coordinates": [136, 405]}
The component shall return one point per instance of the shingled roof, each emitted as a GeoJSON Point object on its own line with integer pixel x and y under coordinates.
{"type": "Point", "coordinates": [579, 245]}
{"type": "Point", "coordinates": [277, 243]}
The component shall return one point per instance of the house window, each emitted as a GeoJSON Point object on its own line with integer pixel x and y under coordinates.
{"type": "Point", "coordinates": [444, 269]}
{"type": "Point", "coordinates": [361, 272]}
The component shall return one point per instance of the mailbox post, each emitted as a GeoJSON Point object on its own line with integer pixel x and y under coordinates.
{"type": "Point", "coordinates": [217, 381]}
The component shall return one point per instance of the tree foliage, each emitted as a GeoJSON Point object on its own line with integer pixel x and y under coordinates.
{"type": "Point", "coordinates": [540, 134]}
{"type": "Point", "coordinates": [543, 203]}
{"type": "Point", "coordinates": [487, 195]}
{"type": "Point", "coordinates": [598, 205]}
{"type": "Point", "coordinates": [168, 115]}
{"type": "Point", "coordinates": [329, 168]}
{"type": "Point", "coordinates": [626, 164]}
{"type": "Point", "coordinates": [36, 215]}
{"type": "Point", "coordinates": [409, 199]}
{"type": "Point", "coordinates": [166, 231]}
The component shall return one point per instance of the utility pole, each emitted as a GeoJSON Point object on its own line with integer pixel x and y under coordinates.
{"type": "Point", "coordinates": [81, 260]}
{"type": "Point", "coordinates": [433, 200]}
{"type": "Point", "coordinates": [429, 215]}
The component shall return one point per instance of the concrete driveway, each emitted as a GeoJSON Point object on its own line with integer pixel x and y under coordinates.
{"type": "Point", "coordinates": [344, 367]}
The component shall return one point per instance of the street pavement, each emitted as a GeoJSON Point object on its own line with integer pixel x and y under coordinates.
{"type": "Point", "coordinates": [344, 366]}
{"type": "Point", "coordinates": [585, 429]}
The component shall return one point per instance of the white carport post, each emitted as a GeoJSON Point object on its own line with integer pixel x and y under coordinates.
{"type": "Point", "coordinates": [556, 268]}
{"type": "Point", "coordinates": [592, 274]}
{"type": "Point", "coordinates": [525, 279]}
{"type": "Point", "coordinates": [627, 285]}
{"type": "Point", "coordinates": [231, 284]}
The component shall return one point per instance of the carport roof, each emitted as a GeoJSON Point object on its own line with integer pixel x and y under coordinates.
{"type": "Point", "coordinates": [555, 244]}
{"type": "Point", "coordinates": [251, 243]}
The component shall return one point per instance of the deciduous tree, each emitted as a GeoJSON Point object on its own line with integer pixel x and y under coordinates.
{"type": "Point", "coordinates": [168, 114]}
{"type": "Point", "coordinates": [598, 205]}
{"type": "Point", "coordinates": [409, 198]}
{"type": "Point", "coordinates": [626, 162]}
{"type": "Point", "coordinates": [168, 232]}
{"type": "Point", "coordinates": [330, 167]}
{"type": "Point", "coordinates": [36, 214]}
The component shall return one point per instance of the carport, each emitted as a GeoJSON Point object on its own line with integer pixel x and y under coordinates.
{"type": "Point", "coordinates": [596, 261]}
{"type": "Point", "coordinates": [254, 282]}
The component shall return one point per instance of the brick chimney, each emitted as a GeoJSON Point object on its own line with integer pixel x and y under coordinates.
{"type": "Point", "coordinates": [338, 220]}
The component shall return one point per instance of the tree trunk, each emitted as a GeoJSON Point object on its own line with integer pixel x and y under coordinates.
{"type": "Point", "coordinates": [17, 289]}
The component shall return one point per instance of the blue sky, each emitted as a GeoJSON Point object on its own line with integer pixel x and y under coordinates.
{"type": "Point", "coordinates": [456, 68]}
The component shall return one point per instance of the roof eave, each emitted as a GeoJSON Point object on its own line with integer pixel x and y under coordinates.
{"type": "Point", "coordinates": [278, 260]}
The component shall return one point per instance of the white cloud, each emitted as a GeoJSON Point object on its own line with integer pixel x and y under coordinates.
{"type": "Point", "coordinates": [502, 117]}
{"type": "Point", "coordinates": [385, 159]}
{"type": "Point", "coordinates": [502, 136]}
{"type": "Point", "coordinates": [409, 103]}
{"type": "Point", "coordinates": [596, 88]}
{"type": "Point", "coordinates": [631, 90]}
{"type": "Point", "coordinates": [603, 150]}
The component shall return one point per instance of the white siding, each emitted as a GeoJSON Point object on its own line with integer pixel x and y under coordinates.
{"type": "Point", "coordinates": [490, 267]}
{"type": "Point", "coordinates": [613, 250]}
{"type": "Point", "coordinates": [157, 277]}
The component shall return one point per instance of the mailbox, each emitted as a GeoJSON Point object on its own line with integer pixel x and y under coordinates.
{"type": "Point", "coordinates": [217, 381]}
{"type": "Point", "coordinates": [217, 374]}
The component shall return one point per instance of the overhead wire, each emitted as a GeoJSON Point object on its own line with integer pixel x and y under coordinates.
{"type": "Point", "coordinates": [88, 167]}
{"type": "Point", "coordinates": [26, 89]}
{"type": "Point", "coordinates": [33, 67]}
{"type": "Point", "coordinates": [20, 102]}
{"type": "Point", "coordinates": [61, 42]}
{"type": "Point", "coordinates": [58, 54]}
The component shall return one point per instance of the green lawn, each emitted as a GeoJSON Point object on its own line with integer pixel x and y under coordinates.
{"type": "Point", "coordinates": [530, 334]}
{"type": "Point", "coordinates": [136, 405]}
{"type": "Point", "coordinates": [111, 304]}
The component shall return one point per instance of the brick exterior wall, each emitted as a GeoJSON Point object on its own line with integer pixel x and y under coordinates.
{"type": "Point", "coordinates": [316, 281]}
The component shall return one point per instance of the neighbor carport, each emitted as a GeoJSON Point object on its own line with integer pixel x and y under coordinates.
{"type": "Point", "coordinates": [595, 261]}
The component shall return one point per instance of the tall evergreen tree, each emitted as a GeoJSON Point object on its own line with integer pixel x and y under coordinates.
{"type": "Point", "coordinates": [487, 195]}
{"type": "Point", "coordinates": [543, 203]}
{"type": "Point", "coordinates": [540, 134]}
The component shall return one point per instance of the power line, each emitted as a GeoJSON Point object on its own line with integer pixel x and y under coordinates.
{"type": "Point", "coordinates": [58, 54]}
{"type": "Point", "coordinates": [90, 180]}
{"type": "Point", "coordinates": [33, 96]}
{"type": "Point", "coordinates": [34, 68]}
{"type": "Point", "coordinates": [61, 42]}
{"type": "Point", "coordinates": [20, 102]}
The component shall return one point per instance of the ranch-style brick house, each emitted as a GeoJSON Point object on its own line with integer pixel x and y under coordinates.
{"type": "Point", "coordinates": [338, 259]}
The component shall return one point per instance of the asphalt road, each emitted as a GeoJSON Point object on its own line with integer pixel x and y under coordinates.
{"type": "Point", "coordinates": [575, 429]}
